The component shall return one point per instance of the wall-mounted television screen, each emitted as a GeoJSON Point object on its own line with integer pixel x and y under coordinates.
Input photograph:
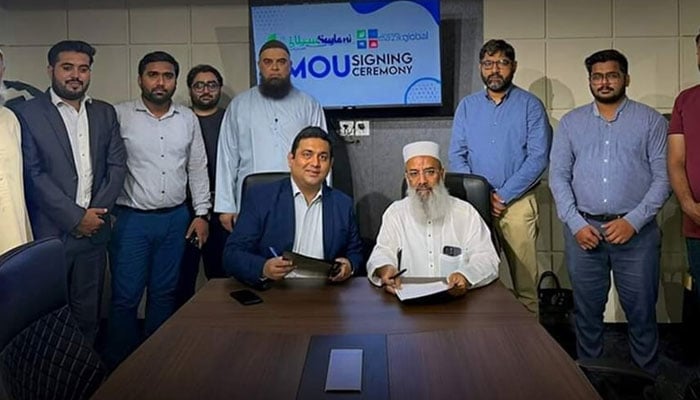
{"type": "Point", "coordinates": [359, 54]}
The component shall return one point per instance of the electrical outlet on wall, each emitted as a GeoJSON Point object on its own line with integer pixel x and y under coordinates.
{"type": "Point", "coordinates": [362, 128]}
{"type": "Point", "coordinates": [347, 128]}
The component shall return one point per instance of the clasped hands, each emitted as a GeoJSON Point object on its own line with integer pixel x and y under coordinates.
{"type": "Point", "coordinates": [91, 222]}
{"type": "Point", "coordinates": [276, 268]}
{"type": "Point", "coordinates": [390, 282]}
{"type": "Point", "coordinates": [618, 231]}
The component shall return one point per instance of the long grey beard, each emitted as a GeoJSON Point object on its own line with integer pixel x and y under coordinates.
{"type": "Point", "coordinates": [434, 207]}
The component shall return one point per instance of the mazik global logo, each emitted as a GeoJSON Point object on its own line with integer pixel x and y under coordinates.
{"type": "Point", "coordinates": [367, 38]}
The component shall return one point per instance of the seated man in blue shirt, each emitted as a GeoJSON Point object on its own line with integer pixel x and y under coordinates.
{"type": "Point", "coordinates": [301, 214]}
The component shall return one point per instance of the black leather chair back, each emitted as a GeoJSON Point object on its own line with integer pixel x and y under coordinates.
{"type": "Point", "coordinates": [260, 178]}
{"type": "Point", "coordinates": [32, 283]}
{"type": "Point", "coordinates": [43, 353]}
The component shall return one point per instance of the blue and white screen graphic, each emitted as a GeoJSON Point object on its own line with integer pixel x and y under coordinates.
{"type": "Point", "coordinates": [359, 53]}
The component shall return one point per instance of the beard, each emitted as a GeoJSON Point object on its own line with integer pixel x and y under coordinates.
{"type": "Point", "coordinates": [275, 88]}
{"type": "Point", "coordinates": [63, 92]}
{"type": "Point", "coordinates": [610, 99]}
{"type": "Point", "coordinates": [497, 82]}
{"type": "Point", "coordinates": [205, 105]}
{"type": "Point", "coordinates": [434, 206]}
{"type": "Point", "coordinates": [157, 98]}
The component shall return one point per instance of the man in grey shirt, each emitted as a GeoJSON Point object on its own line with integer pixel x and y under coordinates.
{"type": "Point", "coordinates": [608, 178]}
{"type": "Point", "coordinates": [165, 153]}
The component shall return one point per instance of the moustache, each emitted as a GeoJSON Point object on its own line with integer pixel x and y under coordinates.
{"type": "Point", "coordinates": [495, 75]}
{"type": "Point", "coordinates": [74, 81]}
{"type": "Point", "coordinates": [605, 88]}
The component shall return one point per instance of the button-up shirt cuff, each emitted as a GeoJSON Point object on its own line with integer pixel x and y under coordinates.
{"type": "Point", "coordinates": [576, 224]}
{"type": "Point", "coordinates": [636, 220]}
{"type": "Point", "coordinates": [506, 195]}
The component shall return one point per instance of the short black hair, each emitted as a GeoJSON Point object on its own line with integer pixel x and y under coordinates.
{"type": "Point", "coordinates": [198, 69]}
{"type": "Point", "coordinates": [157, 56]}
{"type": "Point", "coordinates": [70, 45]}
{"type": "Point", "coordinates": [494, 46]}
{"type": "Point", "coordinates": [273, 44]}
{"type": "Point", "coordinates": [697, 39]}
{"type": "Point", "coordinates": [605, 56]}
{"type": "Point", "coordinates": [311, 132]}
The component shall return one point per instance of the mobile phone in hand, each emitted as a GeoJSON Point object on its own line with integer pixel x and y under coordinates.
{"type": "Point", "coordinates": [335, 269]}
{"type": "Point", "coordinates": [246, 297]}
{"type": "Point", "coordinates": [193, 240]}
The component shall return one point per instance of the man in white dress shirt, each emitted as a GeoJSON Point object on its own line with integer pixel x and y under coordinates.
{"type": "Point", "coordinates": [430, 233]}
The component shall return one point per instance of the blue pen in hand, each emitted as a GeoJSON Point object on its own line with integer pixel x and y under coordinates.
{"type": "Point", "coordinates": [272, 250]}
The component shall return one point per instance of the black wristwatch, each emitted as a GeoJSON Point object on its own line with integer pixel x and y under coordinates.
{"type": "Point", "coordinates": [206, 217]}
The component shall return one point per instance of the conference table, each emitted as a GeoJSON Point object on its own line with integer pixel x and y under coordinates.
{"type": "Point", "coordinates": [484, 345]}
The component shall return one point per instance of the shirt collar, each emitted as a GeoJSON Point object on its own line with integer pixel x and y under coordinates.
{"type": "Point", "coordinates": [296, 191]}
{"type": "Point", "coordinates": [57, 101]}
{"type": "Point", "coordinates": [139, 105]}
{"type": "Point", "coordinates": [510, 88]}
{"type": "Point", "coordinates": [621, 107]}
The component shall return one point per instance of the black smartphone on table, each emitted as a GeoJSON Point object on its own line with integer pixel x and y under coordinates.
{"type": "Point", "coordinates": [246, 297]}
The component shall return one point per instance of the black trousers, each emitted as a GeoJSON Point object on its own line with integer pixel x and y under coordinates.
{"type": "Point", "coordinates": [85, 268]}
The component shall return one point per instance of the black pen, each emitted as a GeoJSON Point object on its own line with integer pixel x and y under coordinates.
{"type": "Point", "coordinates": [396, 275]}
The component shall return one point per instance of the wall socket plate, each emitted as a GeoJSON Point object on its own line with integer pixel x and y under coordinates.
{"type": "Point", "coordinates": [347, 128]}
{"type": "Point", "coordinates": [362, 128]}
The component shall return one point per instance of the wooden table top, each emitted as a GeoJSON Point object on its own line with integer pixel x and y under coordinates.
{"type": "Point", "coordinates": [484, 345]}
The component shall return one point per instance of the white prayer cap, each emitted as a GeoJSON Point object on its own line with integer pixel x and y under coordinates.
{"type": "Point", "coordinates": [423, 148]}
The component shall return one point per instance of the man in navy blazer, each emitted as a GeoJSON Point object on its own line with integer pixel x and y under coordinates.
{"type": "Point", "coordinates": [74, 166]}
{"type": "Point", "coordinates": [301, 214]}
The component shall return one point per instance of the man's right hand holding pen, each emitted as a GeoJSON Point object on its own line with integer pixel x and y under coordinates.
{"type": "Point", "coordinates": [276, 268]}
{"type": "Point", "coordinates": [390, 277]}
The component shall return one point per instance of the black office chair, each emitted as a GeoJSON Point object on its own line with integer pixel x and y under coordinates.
{"type": "Point", "coordinates": [260, 178]}
{"type": "Point", "coordinates": [44, 355]}
{"type": "Point", "coordinates": [473, 189]}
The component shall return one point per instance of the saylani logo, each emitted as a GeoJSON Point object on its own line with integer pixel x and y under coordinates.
{"type": "Point", "coordinates": [367, 38]}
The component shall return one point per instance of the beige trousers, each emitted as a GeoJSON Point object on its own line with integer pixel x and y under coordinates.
{"type": "Point", "coordinates": [518, 229]}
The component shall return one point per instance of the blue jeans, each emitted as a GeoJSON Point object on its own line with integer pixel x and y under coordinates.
{"type": "Point", "coordinates": [145, 252]}
{"type": "Point", "coordinates": [635, 267]}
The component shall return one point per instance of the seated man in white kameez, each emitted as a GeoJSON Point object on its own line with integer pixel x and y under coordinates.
{"type": "Point", "coordinates": [430, 233]}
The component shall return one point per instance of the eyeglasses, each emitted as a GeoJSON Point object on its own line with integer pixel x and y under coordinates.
{"type": "Point", "coordinates": [211, 85]}
{"type": "Point", "coordinates": [428, 173]}
{"type": "Point", "coordinates": [503, 63]}
{"type": "Point", "coordinates": [610, 77]}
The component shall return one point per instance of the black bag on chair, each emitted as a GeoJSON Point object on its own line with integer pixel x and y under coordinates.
{"type": "Point", "coordinates": [556, 308]}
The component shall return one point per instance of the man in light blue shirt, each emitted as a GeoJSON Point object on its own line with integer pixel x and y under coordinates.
{"type": "Point", "coordinates": [608, 178]}
{"type": "Point", "coordinates": [259, 127]}
{"type": "Point", "coordinates": [165, 156]}
{"type": "Point", "coordinates": [502, 133]}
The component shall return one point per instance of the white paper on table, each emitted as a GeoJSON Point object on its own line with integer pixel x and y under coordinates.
{"type": "Point", "coordinates": [415, 290]}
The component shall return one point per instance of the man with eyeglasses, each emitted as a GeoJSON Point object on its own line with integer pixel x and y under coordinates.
{"type": "Point", "coordinates": [205, 84]}
{"type": "Point", "coordinates": [259, 127]}
{"type": "Point", "coordinates": [608, 179]}
{"type": "Point", "coordinates": [430, 233]}
{"type": "Point", "coordinates": [502, 133]}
